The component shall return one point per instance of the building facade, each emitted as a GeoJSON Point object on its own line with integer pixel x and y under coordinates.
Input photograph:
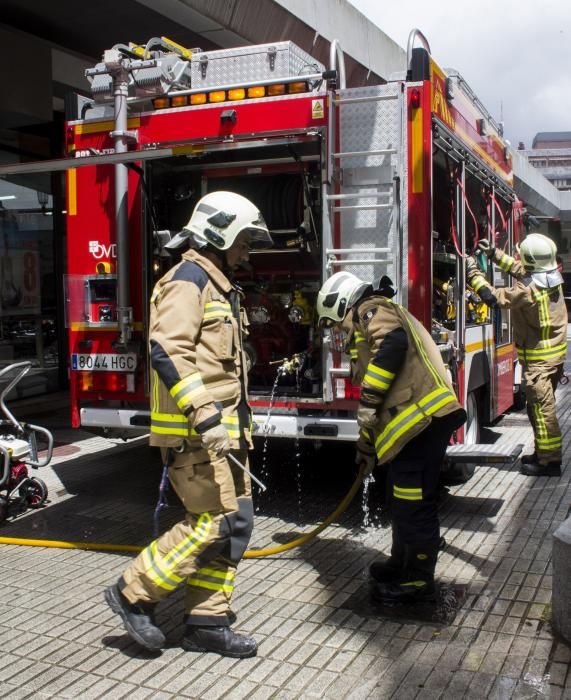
{"type": "Point", "coordinates": [550, 153]}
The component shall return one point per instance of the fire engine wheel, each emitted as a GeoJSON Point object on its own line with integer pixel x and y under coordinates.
{"type": "Point", "coordinates": [3, 508]}
{"type": "Point", "coordinates": [520, 400]}
{"type": "Point", "coordinates": [34, 493]}
{"type": "Point", "coordinates": [461, 473]}
{"type": "Point", "coordinates": [472, 436]}
{"type": "Point", "coordinates": [472, 427]}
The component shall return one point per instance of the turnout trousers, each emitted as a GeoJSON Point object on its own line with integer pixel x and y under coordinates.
{"type": "Point", "coordinates": [413, 484]}
{"type": "Point", "coordinates": [541, 379]}
{"type": "Point", "coordinates": [201, 552]}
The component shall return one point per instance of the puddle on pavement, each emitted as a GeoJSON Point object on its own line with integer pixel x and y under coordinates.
{"type": "Point", "coordinates": [449, 600]}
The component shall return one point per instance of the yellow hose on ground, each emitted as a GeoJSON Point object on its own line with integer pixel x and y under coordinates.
{"type": "Point", "coordinates": [253, 553]}
{"type": "Point", "coordinates": [250, 554]}
{"type": "Point", "coordinates": [62, 544]}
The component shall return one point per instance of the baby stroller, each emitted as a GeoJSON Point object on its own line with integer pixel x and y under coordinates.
{"type": "Point", "coordinates": [18, 451]}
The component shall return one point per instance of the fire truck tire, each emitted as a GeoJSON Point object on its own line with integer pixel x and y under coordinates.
{"type": "Point", "coordinates": [461, 473]}
{"type": "Point", "coordinates": [34, 492]}
{"type": "Point", "coordinates": [472, 427]}
{"type": "Point", "coordinates": [519, 399]}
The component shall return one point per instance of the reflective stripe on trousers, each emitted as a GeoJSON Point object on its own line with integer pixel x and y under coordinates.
{"type": "Point", "coordinates": [412, 415]}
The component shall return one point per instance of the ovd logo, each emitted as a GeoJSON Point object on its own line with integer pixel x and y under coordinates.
{"type": "Point", "coordinates": [100, 250]}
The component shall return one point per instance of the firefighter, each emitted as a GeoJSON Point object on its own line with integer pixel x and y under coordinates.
{"type": "Point", "coordinates": [199, 416]}
{"type": "Point", "coordinates": [407, 414]}
{"type": "Point", "coordinates": [539, 319]}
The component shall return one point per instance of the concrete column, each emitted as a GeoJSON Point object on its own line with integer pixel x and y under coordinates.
{"type": "Point", "coordinates": [561, 602]}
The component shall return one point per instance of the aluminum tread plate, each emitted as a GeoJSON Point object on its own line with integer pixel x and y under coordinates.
{"type": "Point", "coordinates": [484, 454]}
{"type": "Point", "coordinates": [371, 126]}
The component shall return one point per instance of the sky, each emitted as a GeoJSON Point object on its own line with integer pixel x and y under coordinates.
{"type": "Point", "coordinates": [515, 55]}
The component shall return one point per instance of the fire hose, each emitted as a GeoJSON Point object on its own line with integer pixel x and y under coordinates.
{"type": "Point", "coordinates": [250, 554]}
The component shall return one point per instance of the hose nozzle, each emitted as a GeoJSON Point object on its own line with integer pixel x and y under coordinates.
{"type": "Point", "coordinates": [289, 365]}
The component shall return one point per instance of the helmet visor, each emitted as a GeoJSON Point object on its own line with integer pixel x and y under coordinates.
{"type": "Point", "coordinates": [258, 237]}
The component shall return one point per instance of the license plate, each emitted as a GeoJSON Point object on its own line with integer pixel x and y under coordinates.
{"type": "Point", "coordinates": [104, 362]}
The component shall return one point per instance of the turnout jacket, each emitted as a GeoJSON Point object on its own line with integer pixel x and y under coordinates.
{"type": "Point", "coordinates": [401, 372]}
{"type": "Point", "coordinates": [539, 315]}
{"type": "Point", "coordinates": [198, 364]}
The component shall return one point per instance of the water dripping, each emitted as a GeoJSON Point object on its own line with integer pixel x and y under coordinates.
{"type": "Point", "coordinates": [266, 433]}
{"type": "Point", "coordinates": [367, 481]}
{"type": "Point", "coordinates": [297, 449]}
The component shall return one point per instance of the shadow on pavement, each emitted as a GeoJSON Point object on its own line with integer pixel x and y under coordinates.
{"type": "Point", "coordinates": [109, 496]}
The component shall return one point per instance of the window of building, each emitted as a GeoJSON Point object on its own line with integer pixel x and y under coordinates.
{"type": "Point", "coordinates": [28, 328]}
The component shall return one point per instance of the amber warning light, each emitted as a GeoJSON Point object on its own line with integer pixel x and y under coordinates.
{"type": "Point", "coordinates": [232, 95]}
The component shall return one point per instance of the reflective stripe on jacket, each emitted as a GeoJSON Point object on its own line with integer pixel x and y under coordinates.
{"type": "Point", "coordinates": [539, 317]}
{"type": "Point", "coordinates": [508, 264]}
{"type": "Point", "coordinates": [408, 390]}
{"type": "Point", "coordinates": [198, 376]}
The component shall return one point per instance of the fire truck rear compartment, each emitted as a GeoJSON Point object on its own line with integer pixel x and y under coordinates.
{"type": "Point", "coordinates": [281, 283]}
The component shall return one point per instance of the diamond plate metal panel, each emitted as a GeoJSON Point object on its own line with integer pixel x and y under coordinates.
{"type": "Point", "coordinates": [249, 64]}
{"type": "Point", "coordinates": [365, 127]}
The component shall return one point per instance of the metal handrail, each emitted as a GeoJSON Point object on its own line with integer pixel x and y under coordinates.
{"type": "Point", "coordinates": [410, 45]}
{"type": "Point", "coordinates": [337, 57]}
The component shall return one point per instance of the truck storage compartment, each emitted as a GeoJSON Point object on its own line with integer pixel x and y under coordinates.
{"type": "Point", "coordinates": [280, 284]}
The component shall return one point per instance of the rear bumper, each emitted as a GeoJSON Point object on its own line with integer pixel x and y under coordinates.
{"type": "Point", "coordinates": [278, 426]}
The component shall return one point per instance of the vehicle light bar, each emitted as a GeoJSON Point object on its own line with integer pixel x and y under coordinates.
{"type": "Point", "coordinates": [232, 94]}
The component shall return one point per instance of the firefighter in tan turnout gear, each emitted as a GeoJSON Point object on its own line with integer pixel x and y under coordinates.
{"type": "Point", "coordinates": [539, 318]}
{"type": "Point", "coordinates": [199, 415]}
{"type": "Point", "coordinates": [407, 414]}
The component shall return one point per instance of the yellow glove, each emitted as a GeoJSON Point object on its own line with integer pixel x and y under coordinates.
{"type": "Point", "coordinates": [366, 417]}
{"type": "Point", "coordinates": [217, 440]}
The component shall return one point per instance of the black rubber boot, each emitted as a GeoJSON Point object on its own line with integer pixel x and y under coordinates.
{"type": "Point", "coordinates": [529, 459]}
{"type": "Point", "coordinates": [536, 469]}
{"type": "Point", "coordinates": [390, 569]}
{"type": "Point", "coordinates": [416, 582]}
{"type": "Point", "coordinates": [220, 640]}
{"type": "Point", "coordinates": [138, 619]}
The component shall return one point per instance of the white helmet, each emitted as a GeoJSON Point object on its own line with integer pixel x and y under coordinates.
{"type": "Point", "coordinates": [538, 253]}
{"type": "Point", "coordinates": [337, 295]}
{"type": "Point", "coordinates": [219, 217]}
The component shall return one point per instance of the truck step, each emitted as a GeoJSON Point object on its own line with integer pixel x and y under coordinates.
{"type": "Point", "coordinates": [484, 454]}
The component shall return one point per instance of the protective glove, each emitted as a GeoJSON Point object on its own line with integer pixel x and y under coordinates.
{"type": "Point", "coordinates": [217, 440]}
{"type": "Point", "coordinates": [366, 417]}
{"type": "Point", "coordinates": [472, 268]}
{"type": "Point", "coordinates": [486, 248]}
{"type": "Point", "coordinates": [365, 456]}
{"type": "Point", "coordinates": [487, 296]}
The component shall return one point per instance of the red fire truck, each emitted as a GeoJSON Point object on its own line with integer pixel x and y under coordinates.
{"type": "Point", "coordinates": [399, 179]}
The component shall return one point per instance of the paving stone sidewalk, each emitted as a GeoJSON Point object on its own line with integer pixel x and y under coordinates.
{"type": "Point", "coordinates": [319, 635]}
